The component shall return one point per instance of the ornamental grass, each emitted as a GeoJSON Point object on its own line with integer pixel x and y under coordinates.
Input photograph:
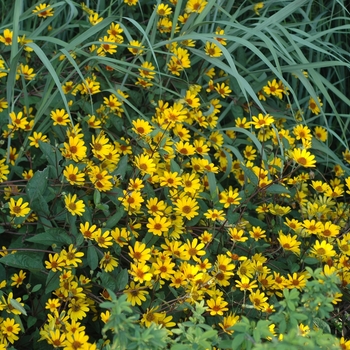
{"type": "Point", "coordinates": [174, 175]}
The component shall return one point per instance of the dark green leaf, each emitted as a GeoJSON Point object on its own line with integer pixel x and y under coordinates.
{"type": "Point", "coordinates": [53, 236]}
{"type": "Point", "coordinates": [24, 260]}
{"type": "Point", "coordinates": [92, 257]}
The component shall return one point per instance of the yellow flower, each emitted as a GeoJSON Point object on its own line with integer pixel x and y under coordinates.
{"type": "Point", "coordinates": [43, 10]}
{"type": "Point", "coordinates": [245, 284]}
{"type": "Point", "coordinates": [9, 330]}
{"type": "Point", "coordinates": [289, 243]}
{"type": "Point", "coordinates": [262, 120]}
{"type": "Point", "coordinates": [164, 10]}
{"type": "Point", "coordinates": [314, 108]}
{"type": "Point", "coordinates": [228, 322]}
{"type": "Point", "coordinates": [140, 272]}
{"type": "Point", "coordinates": [142, 127]}
{"type": "Point", "coordinates": [214, 214]}
{"type": "Point", "coordinates": [74, 206]}
{"type": "Point", "coordinates": [107, 46]}
{"type": "Point", "coordinates": [73, 175]}
{"type": "Point", "coordinates": [303, 158]}
{"type": "Point", "coordinates": [187, 207]}
{"type": "Point", "coordinates": [322, 250]}
{"type": "Point", "coordinates": [55, 263]}
{"type": "Point", "coordinates": [302, 132]}
{"type": "Point", "coordinates": [259, 300]}
{"type": "Point", "coordinates": [258, 7]}
{"type": "Point", "coordinates": [192, 249]}
{"type": "Point", "coordinates": [135, 47]}
{"type": "Point", "coordinates": [18, 208]}
{"type": "Point", "coordinates": [145, 164]}
{"type": "Point", "coordinates": [217, 306]}
{"type": "Point", "coordinates": [135, 293]}
{"type": "Point", "coordinates": [74, 149]}
{"type": "Point", "coordinates": [26, 72]}
{"type": "Point", "coordinates": [320, 133]}
{"type": "Point", "coordinates": [6, 38]}
{"type": "Point", "coordinates": [273, 88]}
{"type": "Point", "coordinates": [18, 278]}
{"type": "Point", "coordinates": [196, 6]}
{"type": "Point", "coordinates": [60, 117]}
{"type": "Point", "coordinates": [223, 90]}
{"type": "Point", "coordinates": [72, 257]}
{"type": "Point", "coordinates": [18, 121]}
{"type": "Point", "coordinates": [158, 225]}
{"type": "Point", "coordinates": [212, 50]}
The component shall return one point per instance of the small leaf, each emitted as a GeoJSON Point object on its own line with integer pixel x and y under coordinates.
{"type": "Point", "coordinates": [18, 306]}
{"type": "Point", "coordinates": [92, 257]}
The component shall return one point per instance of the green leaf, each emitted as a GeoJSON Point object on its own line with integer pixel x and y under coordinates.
{"type": "Point", "coordinates": [114, 219]}
{"type": "Point", "coordinates": [56, 236]}
{"type": "Point", "coordinates": [52, 281]}
{"type": "Point", "coordinates": [36, 288]}
{"type": "Point", "coordinates": [92, 257]}
{"type": "Point", "coordinates": [37, 184]}
{"type": "Point", "coordinates": [31, 261]}
{"type": "Point", "coordinates": [52, 155]}
{"type": "Point", "coordinates": [18, 306]}
{"type": "Point", "coordinates": [276, 188]}
{"type": "Point", "coordinates": [237, 341]}
{"type": "Point", "coordinates": [122, 279]}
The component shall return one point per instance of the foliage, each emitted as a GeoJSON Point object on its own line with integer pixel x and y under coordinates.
{"type": "Point", "coordinates": [174, 174]}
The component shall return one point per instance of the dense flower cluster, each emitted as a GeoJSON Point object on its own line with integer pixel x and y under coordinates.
{"type": "Point", "coordinates": [164, 195]}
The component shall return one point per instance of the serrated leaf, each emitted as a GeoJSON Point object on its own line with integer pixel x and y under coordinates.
{"type": "Point", "coordinates": [39, 205]}
{"type": "Point", "coordinates": [53, 236]}
{"type": "Point", "coordinates": [37, 184]}
{"type": "Point", "coordinates": [31, 261]}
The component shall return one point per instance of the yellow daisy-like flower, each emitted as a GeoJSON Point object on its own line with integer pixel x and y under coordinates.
{"type": "Point", "coordinates": [135, 47]}
{"type": "Point", "coordinates": [314, 108]}
{"type": "Point", "coordinates": [322, 250]}
{"type": "Point", "coordinates": [212, 50]}
{"type": "Point", "coordinates": [145, 164]}
{"type": "Point", "coordinates": [196, 6]}
{"type": "Point", "coordinates": [214, 214]}
{"type": "Point", "coordinates": [273, 88]}
{"type": "Point", "coordinates": [303, 158]}
{"type": "Point", "coordinates": [9, 330]}
{"type": "Point", "coordinates": [302, 132]}
{"type": "Point", "coordinates": [43, 10]}
{"type": "Point", "coordinates": [37, 136]}
{"type": "Point", "coordinates": [142, 127]}
{"type": "Point", "coordinates": [187, 207]}
{"type": "Point", "coordinates": [60, 117]}
{"type": "Point", "coordinates": [75, 149]}
{"type": "Point", "coordinates": [18, 208]}
{"type": "Point", "coordinates": [158, 225]}
{"type": "Point", "coordinates": [262, 120]}
{"type": "Point", "coordinates": [74, 206]}
{"type": "Point", "coordinates": [223, 90]}
{"type": "Point", "coordinates": [289, 243]}
{"type": "Point", "coordinates": [73, 175]}
{"type": "Point", "coordinates": [135, 293]}
{"type": "Point", "coordinates": [164, 10]}
{"type": "Point", "coordinates": [18, 121]}
{"type": "Point", "coordinates": [217, 306]}
{"type": "Point", "coordinates": [320, 133]}
{"type": "Point", "coordinates": [6, 38]}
